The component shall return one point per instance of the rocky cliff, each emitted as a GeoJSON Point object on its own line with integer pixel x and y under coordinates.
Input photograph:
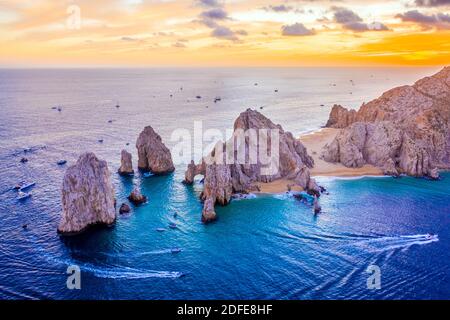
{"type": "Point", "coordinates": [232, 168]}
{"type": "Point", "coordinates": [153, 155]}
{"type": "Point", "coordinates": [87, 195]}
{"type": "Point", "coordinates": [405, 131]}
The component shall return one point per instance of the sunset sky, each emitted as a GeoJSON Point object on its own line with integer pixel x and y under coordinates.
{"type": "Point", "coordinates": [224, 33]}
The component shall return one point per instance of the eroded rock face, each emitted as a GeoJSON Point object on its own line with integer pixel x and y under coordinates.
{"type": "Point", "coordinates": [126, 165]}
{"type": "Point", "coordinates": [405, 131]}
{"type": "Point", "coordinates": [153, 155]}
{"type": "Point", "coordinates": [228, 172]}
{"type": "Point", "coordinates": [87, 195]}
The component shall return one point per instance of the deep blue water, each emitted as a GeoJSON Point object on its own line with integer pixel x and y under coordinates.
{"type": "Point", "coordinates": [268, 247]}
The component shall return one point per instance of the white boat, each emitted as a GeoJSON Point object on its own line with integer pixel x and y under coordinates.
{"type": "Point", "coordinates": [148, 174]}
{"type": "Point", "coordinates": [23, 195]}
{"type": "Point", "coordinates": [26, 186]}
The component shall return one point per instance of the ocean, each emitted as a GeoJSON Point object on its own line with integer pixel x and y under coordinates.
{"type": "Point", "coordinates": [264, 247]}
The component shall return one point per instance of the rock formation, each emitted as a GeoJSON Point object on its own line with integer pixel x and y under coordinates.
{"type": "Point", "coordinates": [87, 195]}
{"type": "Point", "coordinates": [232, 168]}
{"type": "Point", "coordinates": [126, 165]}
{"type": "Point", "coordinates": [124, 208]}
{"type": "Point", "coordinates": [136, 197]}
{"type": "Point", "coordinates": [153, 155]}
{"type": "Point", "coordinates": [405, 131]}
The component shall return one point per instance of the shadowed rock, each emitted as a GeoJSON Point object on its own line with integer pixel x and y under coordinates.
{"type": "Point", "coordinates": [153, 155]}
{"type": "Point", "coordinates": [405, 131]}
{"type": "Point", "coordinates": [87, 195]}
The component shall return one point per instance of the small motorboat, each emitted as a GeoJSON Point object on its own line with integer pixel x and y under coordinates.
{"type": "Point", "coordinates": [100, 140]}
{"type": "Point", "coordinates": [175, 215]}
{"type": "Point", "coordinates": [23, 195]}
{"type": "Point", "coordinates": [147, 174]}
{"type": "Point", "coordinates": [61, 162]}
{"type": "Point", "coordinates": [429, 236]}
{"type": "Point", "coordinates": [59, 109]}
{"type": "Point", "coordinates": [160, 229]}
{"type": "Point", "coordinates": [23, 160]}
{"type": "Point", "coordinates": [26, 186]}
{"type": "Point", "coordinates": [175, 250]}
{"type": "Point", "coordinates": [198, 97]}
{"type": "Point", "coordinates": [172, 225]}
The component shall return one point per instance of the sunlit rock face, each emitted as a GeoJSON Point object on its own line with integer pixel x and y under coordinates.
{"type": "Point", "coordinates": [153, 155]}
{"type": "Point", "coordinates": [223, 178]}
{"type": "Point", "coordinates": [405, 131]}
{"type": "Point", "coordinates": [87, 195]}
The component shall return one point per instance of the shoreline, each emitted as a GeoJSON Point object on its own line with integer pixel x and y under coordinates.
{"type": "Point", "coordinates": [314, 142]}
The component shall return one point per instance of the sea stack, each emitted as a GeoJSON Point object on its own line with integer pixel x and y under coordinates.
{"type": "Point", "coordinates": [126, 165]}
{"type": "Point", "coordinates": [87, 195]}
{"type": "Point", "coordinates": [224, 177]}
{"type": "Point", "coordinates": [153, 155]}
{"type": "Point", "coordinates": [405, 131]}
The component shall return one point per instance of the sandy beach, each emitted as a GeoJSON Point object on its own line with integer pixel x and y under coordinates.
{"type": "Point", "coordinates": [314, 142]}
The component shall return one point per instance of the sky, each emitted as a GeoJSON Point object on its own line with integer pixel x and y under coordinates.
{"type": "Point", "coordinates": [188, 33]}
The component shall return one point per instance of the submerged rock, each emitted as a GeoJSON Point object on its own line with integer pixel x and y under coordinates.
{"type": "Point", "coordinates": [124, 208]}
{"type": "Point", "coordinates": [126, 165]}
{"type": "Point", "coordinates": [87, 195]}
{"type": "Point", "coordinates": [153, 155]}
{"type": "Point", "coordinates": [405, 131]}
{"type": "Point", "coordinates": [136, 197]}
{"type": "Point", "coordinates": [229, 172]}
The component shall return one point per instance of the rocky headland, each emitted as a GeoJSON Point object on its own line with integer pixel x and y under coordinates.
{"type": "Point", "coordinates": [405, 131]}
{"type": "Point", "coordinates": [87, 195]}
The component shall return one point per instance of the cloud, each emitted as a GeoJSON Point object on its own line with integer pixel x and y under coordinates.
{"type": "Point", "coordinates": [344, 16]}
{"type": "Point", "coordinates": [128, 39]}
{"type": "Point", "coordinates": [432, 3]}
{"type": "Point", "coordinates": [279, 8]}
{"type": "Point", "coordinates": [214, 14]}
{"type": "Point", "coordinates": [440, 20]}
{"type": "Point", "coordinates": [209, 3]}
{"type": "Point", "coordinates": [224, 33]}
{"type": "Point", "coordinates": [179, 44]}
{"type": "Point", "coordinates": [349, 20]}
{"type": "Point", "coordinates": [416, 16]}
{"type": "Point", "coordinates": [296, 29]}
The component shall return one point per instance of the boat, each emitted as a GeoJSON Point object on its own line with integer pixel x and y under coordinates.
{"type": "Point", "coordinates": [23, 195]}
{"type": "Point", "coordinates": [26, 186]}
{"type": "Point", "coordinates": [172, 225]}
{"type": "Point", "coordinates": [175, 250]}
{"type": "Point", "coordinates": [61, 162]}
{"type": "Point", "coordinates": [147, 174]}
{"type": "Point", "coordinates": [160, 229]}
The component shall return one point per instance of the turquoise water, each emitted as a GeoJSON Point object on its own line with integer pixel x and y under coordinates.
{"type": "Point", "coordinates": [268, 247]}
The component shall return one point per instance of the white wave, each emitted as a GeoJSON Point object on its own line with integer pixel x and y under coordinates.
{"type": "Point", "coordinates": [393, 243]}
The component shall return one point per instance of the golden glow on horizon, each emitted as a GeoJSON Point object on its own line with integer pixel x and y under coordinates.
{"type": "Point", "coordinates": [237, 33]}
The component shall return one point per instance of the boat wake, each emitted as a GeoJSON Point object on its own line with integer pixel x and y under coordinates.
{"type": "Point", "coordinates": [396, 243]}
